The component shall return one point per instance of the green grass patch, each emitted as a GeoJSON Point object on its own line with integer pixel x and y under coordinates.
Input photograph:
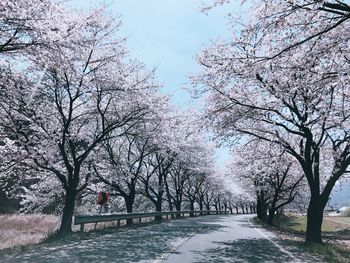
{"type": "Point", "coordinates": [340, 219]}
{"type": "Point", "coordinates": [331, 253]}
{"type": "Point", "coordinates": [298, 224]}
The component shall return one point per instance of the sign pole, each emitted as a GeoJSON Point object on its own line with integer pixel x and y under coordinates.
{"type": "Point", "coordinates": [102, 199]}
{"type": "Point", "coordinates": [99, 214]}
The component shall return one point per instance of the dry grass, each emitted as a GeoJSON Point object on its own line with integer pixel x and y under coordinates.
{"type": "Point", "coordinates": [20, 229]}
{"type": "Point", "coordinates": [29, 229]}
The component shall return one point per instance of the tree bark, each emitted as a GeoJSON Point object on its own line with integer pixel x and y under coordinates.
{"type": "Point", "coordinates": [158, 209]}
{"type": "Point", "coordinates": [314, 220]}
{"type": "Point", "coordinates": [191, 208]}
{"type": "Point", "coordinates": [178, 208]}
{"type": "Point", "coordinates": [272, 211]}
{"type": "Point", "coordinates": [207, 206]}
{"type": "Point", "coordinates": [129, 203]}
{"type": "Point", "coordinates": [261, 206]}
{"type": "Point", "coordinates": [68, 210]}
{"type": "Point", "coordinates": [170, 203]}
{"type": "Point", "coordinates": [201, 206]}
{"type": "Point", "coordinates": [216, 208]}
{"type": "Point", "coordinates": [270, 217]}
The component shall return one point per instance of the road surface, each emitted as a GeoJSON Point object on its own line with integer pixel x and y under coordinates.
{"type": "Point", "coordinates": [221, 238]}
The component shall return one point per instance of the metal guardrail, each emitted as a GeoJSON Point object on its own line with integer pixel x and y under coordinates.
{"type": "Point", "coordinates": [87, 219]}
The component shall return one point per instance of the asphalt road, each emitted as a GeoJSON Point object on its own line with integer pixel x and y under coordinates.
{"type": "Point", "coordinates": [237, 240]}
{"type": "Point", "coordinates": [221, 238]}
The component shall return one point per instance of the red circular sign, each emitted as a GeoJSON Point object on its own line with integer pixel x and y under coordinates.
{"type": "Point", "coordinates": [102, 198]}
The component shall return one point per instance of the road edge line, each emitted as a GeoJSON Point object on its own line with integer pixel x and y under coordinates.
{"type": "Point", "coordinates": [293, 257]}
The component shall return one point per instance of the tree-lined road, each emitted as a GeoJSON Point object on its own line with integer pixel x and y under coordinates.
{"type": "Point", "coordinates": [202, 239]}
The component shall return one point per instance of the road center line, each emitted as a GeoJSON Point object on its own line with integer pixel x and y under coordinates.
{"type": "Point", "coordinates": [173, 248]}
{"type": "Point", "coordinates": [294, 258]}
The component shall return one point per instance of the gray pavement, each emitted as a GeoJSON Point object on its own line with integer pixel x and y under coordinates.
{"type": "Point", "coordinates": [218, 238]}
{"type": "Point", "coordinates": [238, 240]}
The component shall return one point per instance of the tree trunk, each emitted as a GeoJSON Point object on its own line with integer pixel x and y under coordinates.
{"type": "Point", "coordinates": [171, 208]}
{"type": "Point", "coordinates": [158, 209]}
{"type": "Point", "coordinates": [272, 211]}
{"type": "Point", "coordinates": [170, 203]}
{"type": "Point", "coordinates": [216, 208]}
{"type": "Point", "coordinates": [68, 210]}
{"type": "Point", "coordinates": [314, 220]}
{"type": "Point", "coordinates": [191, 208]}
{"type": "Point", "coordinates": [178, 208]}
{"type": "Point", "coordinates": [201, 206]}
{"type": "Point", "coordinates": [270, 217]}
{"type": "Point", "coordinates": [129, 203]}
{"type": "Point", "coordinates": [261, 207]}
{"type": "Point", "coordinates": [237, 211]}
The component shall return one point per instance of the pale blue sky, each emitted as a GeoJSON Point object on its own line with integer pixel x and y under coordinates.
{"type": "Point", "coordinates": [167, 34]}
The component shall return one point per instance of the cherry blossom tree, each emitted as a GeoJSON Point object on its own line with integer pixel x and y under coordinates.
{"type": "Point", "coordinates": [285, 81]}
{"type": "Point", "coordinates": [157, 168]}
{"type": "Point", "coordinates": [158, 165]}
{"type": "Point", "coordinates": [175, 183]}
{"type": "Point", "coordinates": [27, 26]}
{"type": "Point", "coordinates": [270, 173]}
{"type": "Point", "coordinates": [123, 157]}
{"type": "Point", "coordinates": [208, 196]}
{"type": "Point", "coordinates": [183, 154]}
{"type": "Point", "coordinates": [86, 93]}
{"type": "Point", "coordinates": [194, 164]}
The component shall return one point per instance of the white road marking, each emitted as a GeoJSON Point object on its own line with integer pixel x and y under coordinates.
{"type": "Point", "coordinates": [294, 258]}
{"type": "Point", "coordinates": [173, 248]}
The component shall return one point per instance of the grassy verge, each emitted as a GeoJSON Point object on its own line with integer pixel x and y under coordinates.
{"type": "Point", "coordinates": [20, 230]}
{"type": "Point", "coordinates": [336, 248]}
{"type": "Point", "coordinates": [345, 221]}
{"type": "Point", "coordinates": [332, 227]}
